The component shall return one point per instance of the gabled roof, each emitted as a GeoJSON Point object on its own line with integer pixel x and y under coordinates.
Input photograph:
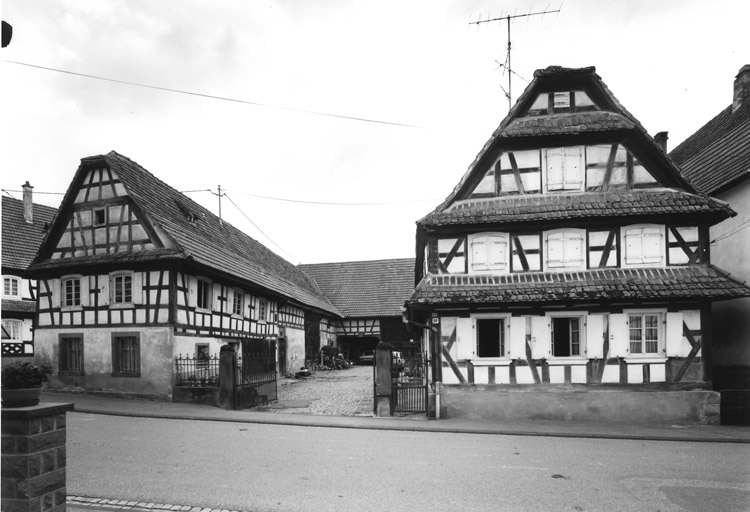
{"type": "Point", "coordinates": [690, 283]}
{"type": "Point", "coordinates": [718, 155]}
{"type": "Point", "coordinates": [21, 240]}
{"type": "Point", "coordinates": [532, 208]}
{"type": "Point", "coordinates": [610, 116]}
{"type": "Point", "coordinates": [196, 237]}
{"type": "Point", "coordinates": [365, 288]}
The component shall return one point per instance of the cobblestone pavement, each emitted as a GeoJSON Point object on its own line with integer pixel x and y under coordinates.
{"type": "Point", "coordinates": [345, 392]}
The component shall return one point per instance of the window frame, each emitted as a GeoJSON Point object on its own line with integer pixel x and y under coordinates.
{"type": "Point", "coordinates": [95, 214]}
{"type": "Point", "coordinates": [63, 366]}
{"type": "Point", "coordinates": [13, 281]}
{"type": "Point", "coordinates": [238, 299]}
{"type": "Point", "coordinates": [117, 363]}
{"type": "Point", "coordinates": [565, 263]}
{"type": "Point", "coordinates": [113, 289]}
{"type": "Point", "coordinates": [261, 314]}
{"type": "Point", "coordinates": [18, 329]}
{"type": "Point", "coordinates": [661, 331]}
{"type": "Point", "coordinates": [64, 305]}
{"type": "Point", "coordinates": [582, 325]}
{"type": "Point", "coordinates": [203, 294]}
{"type": "Point", "coordinates": [504, 341]}
{"type": "Point", "coordinates": [500, 267]}
{"type": "Point", "coordinates": [629, 261]}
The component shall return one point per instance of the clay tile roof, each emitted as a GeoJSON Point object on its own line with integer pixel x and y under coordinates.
{"type": "Point", "coordinates": [562, 124]}
{"type": "Point", "coordinates": [648, 284]}
{"type": "Point", "coordinates": [206, 240]}
{"type": "Point", "coordinates": [717, 155]}
{"type": "Point", "coordinates": [544, 207]}
{"type": "Point", "coordinates": [21, 240]}
{"type": "Point", "coordinates": [365, 288]}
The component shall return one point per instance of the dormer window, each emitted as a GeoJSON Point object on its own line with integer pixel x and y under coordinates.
{"type": "Point", "coordinates": [11, 287]}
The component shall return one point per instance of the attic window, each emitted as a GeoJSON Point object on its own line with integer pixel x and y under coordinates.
{"type": "Point", "coordinates": [191, 216]}
{"type": "Point", "coordinates": [561, 100]}
{"type": "Point", "coordinates": [100, 216]}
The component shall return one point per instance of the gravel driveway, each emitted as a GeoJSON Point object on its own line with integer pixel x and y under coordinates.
{"type": "Point", "coordinates": [335, 392]}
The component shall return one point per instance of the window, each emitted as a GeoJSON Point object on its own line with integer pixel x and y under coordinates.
{"type": "Point", "coordinates": [491, 337]}
{"type": "Point", "coordinates": [126, 354]}
{"type": "Point", "coordinates": [11, 287]}
{"type": "Point", "coordinates": [12, 329]}
{"type": "Point", "coordinates": [566, 336]}
{"type": "Point", "coordinates": [122, 288]}
{"type": "Point", "coordinates": [262, 309]}
{"type": "Point", "coordinates": [237, 303]}
{"type": "Point", "coordinates": [71, 354]}
{"type": "Point", "coordinates": [564, 168]}
{"type": "Point", "coordinates": [561, 100]}
{"type": "Point", "coordinates": [71, 291]}
{"type": "Point", "coordinates": [489, 251]}
{"type": "Point", "coordinates": [644, 245]}
{"type": "Point", "coordinates": [100, 216]}
{"type": "Point", "coordinates": [565, 249]}
{"type": "Point", "coordinates": [203, 300]}
{"type": "Point", "coordinates": [645, 333]}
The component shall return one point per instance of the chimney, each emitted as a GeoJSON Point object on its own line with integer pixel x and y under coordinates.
{"type": "Point", "coordinates": [661, 140]}
{"type": "Point", "coordinates": [741, 87]}
{"type": "Point", "coordinates": [28, 205]}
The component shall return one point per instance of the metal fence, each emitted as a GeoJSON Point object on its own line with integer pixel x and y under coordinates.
{"type": "Point", "coordinates": [197, 372]}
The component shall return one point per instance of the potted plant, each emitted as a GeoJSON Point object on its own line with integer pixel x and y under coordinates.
{"type": "Point", "coordinates": [22, 383]}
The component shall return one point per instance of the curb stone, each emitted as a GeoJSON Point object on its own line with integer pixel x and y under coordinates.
{"type": "Point", "coordinates": [95, 503]}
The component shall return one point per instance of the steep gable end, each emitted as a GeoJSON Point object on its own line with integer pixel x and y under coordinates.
{"type": "Point", "coordinates": [103, 218]}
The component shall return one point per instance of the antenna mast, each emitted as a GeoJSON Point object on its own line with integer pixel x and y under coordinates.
{"type": "Point", "coordinates": [507, 19]}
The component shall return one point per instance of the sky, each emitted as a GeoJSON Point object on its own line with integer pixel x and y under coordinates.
{"type": "Point", "coordinates": [331, 126]}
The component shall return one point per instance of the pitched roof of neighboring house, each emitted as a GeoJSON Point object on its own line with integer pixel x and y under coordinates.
{"type": "Point", "coordinates": [531, 208]}
{"type": "Point", "coordinates": [192, 235]}
{"type": "Point", "coordinates": [21, 240]}
{"type": "Point", "coordinates": [717, 156]}
{"type": "Point", "coordinates": [648, 284]}
{"type": "Point", "coordinates": [365, 288]}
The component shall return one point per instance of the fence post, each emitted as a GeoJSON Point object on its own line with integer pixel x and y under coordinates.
{"type": "Point", "coordinates": [383, 379]}
{"type": "Point", "coordinates": [227, 378]}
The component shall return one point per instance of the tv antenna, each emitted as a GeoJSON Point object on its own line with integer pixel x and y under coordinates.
{"type": "Point", "coordinates": [506, 64]}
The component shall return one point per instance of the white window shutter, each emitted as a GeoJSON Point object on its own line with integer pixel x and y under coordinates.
{"type": "Point", "coordinates": [103, 289]}
{"type": "Point", "coordinates": [674, 339]}
{"type": "Point", "coordinates": [652, 245]}
{"type": "Point", "coordinates": [595, 336]}
{"type": "Point", "coordinates": [572, 167]}
{"type": "Point", "coordinates": [554, 166]}
{"type": "Point", "coordinates": [540, 338]}
{"type": "Point", "coordinates": [618, 335]}
{"type": "Point", "coordinates": [138, 288]}
{"type": "Point", "coordinates": [192, 291]}
{"type": "Point", "coordinates": [465, 340]}
{"type": "Point", "coordinates": [497, 253]}
{"type": "Point", "coordinates": [516, 346]}
{"type": "Point", "coordinates": [555, 250]}
{"type": "Point", "coordinates": [633, 248]}
{"type": "Point", "coordinates": [573, 248]}
{"type": "Point", "coordinates": [85, 291]}
{"type": "Point", "coordinates": [478, 252]}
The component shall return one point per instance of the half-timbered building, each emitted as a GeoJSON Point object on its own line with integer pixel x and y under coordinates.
{"type": "Point", "coordinates": [24, 226]}
{"type": "Point", "coordinates": [572, 263]}
{"type": "Point", "coordinates": [134, 274]}
{"type": "Point", "coordinates": [369, 295]}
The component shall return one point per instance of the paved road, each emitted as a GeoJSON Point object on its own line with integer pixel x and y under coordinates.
{"type": "Point", "coordinates": [287, 468]}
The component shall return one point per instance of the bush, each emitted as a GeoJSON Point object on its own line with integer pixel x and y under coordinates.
{"type": "Point", "coordinates": [24, 375]}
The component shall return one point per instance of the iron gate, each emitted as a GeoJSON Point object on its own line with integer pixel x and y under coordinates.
{"type": "Point", "coordinates": [410, 384]}
{"type": "Point", "coordinates": [256, 373]}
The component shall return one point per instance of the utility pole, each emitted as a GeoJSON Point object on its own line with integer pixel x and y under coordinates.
{"type": "Point", "coordinates": [507, 19]}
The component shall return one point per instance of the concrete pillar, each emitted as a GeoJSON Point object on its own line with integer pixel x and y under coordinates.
{"type": "Point", "coordinates": [33, 458]}
{"type": "Point", "coordinates": [383, 379]}
{"type": "Point", "coordinates": [227, 378]}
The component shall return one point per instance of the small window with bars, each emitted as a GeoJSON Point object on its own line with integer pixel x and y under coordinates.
{"type": "Point", "coordinates": [71, 354]}
{"type": "Point", "coordinates": [126, 355]}
{"type": "Point", "coordinates": [237, 303]}
{"type": "Point", "coordinates": [262, 310]}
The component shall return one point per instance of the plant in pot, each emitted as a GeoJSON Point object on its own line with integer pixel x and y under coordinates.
{"type": "Point", "coordinates": [22, 383]}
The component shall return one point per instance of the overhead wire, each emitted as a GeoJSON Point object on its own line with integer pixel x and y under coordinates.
{"type": "Point", "coordinates": [215, 97]}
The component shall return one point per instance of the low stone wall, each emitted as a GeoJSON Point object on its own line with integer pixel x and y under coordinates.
{"type": "Point", "coordinates": [570, 403]}
{"type": "Point", "coordinates": [196, 395]}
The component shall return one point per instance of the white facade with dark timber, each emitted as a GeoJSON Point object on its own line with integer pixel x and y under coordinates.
{"type": "Point", "coordinates": [573, 255]}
